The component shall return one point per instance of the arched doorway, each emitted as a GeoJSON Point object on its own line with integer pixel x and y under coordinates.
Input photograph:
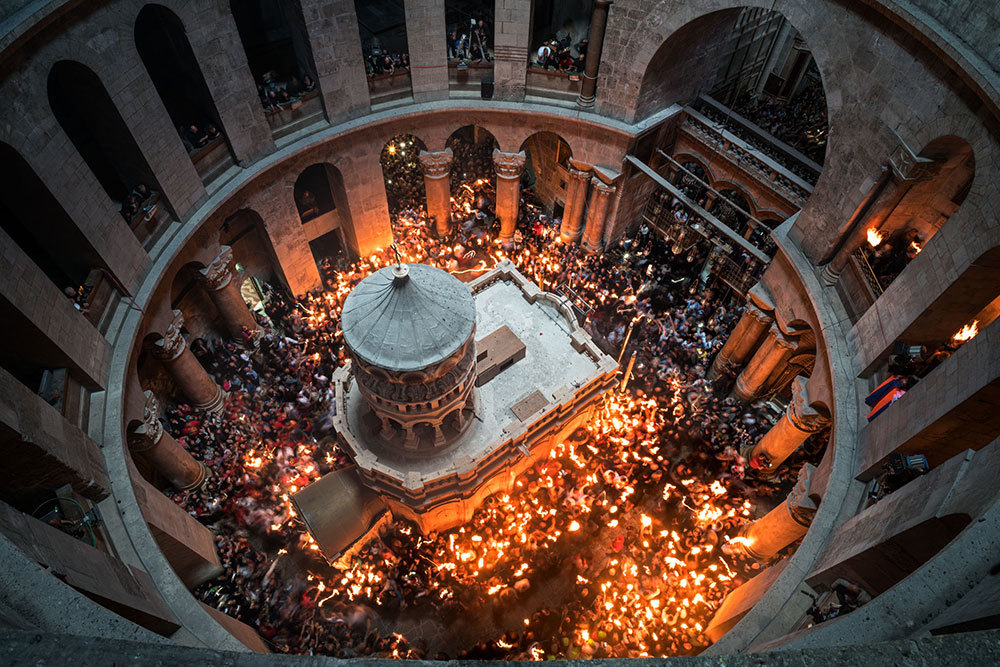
{"type": "Point", "coordinates": [691, 180]}
{"type": "Point", "coordinates": [170, 62]}
{"type": "Point", "coordinates": [546, 169]}
{"type": "Point", "coordinates": [404, 181]}
{"type": "Point", "coordinates": [473, 148]}
{"type": "Point", "coordinates": [321, 200]}
{"type": "Point", "coordinates": [756, 65]}
{"type": "Point", "coordinates": [92, 122]}
{"type": "Point", "coordinates": [923, 210]}
{"type": "Point", "coordinates": [733, 208]}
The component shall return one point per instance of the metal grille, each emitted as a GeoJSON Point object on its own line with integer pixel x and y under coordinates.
{"type": "Point", "coordinates": [867, 272]}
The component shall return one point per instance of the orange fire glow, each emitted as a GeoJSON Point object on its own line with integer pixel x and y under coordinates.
{"type": "Point", "coordinates": [967, 333]}
{"type": "Point", "coordinates": [874, 237]}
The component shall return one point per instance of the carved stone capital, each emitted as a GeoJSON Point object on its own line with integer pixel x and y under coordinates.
{"type": "Point", "coordinates": [436, 165]}
{"type": "Point", "coordinates": [761, 316]}
{"type": "Point", "coordinates": [803, 415]}
{"type": "Point", "coordinates": [508, 165]}
{"type": "Point", "coordinates": [602, 188]}
{"type": "Point", "coordinates": [800, 505]}
{"type": "Point", "coordinates": [147, 434]}
{"type": "Point", "coordinates": [172, 343]}
{"type": "Point", "coordinates": [908, 166]}
{"type": "Point", "coordinates": [780, 339]}
{"type": "Point", "coordinates": [578, 174]}
{"type": "Point", "coordinates": [218, 274]}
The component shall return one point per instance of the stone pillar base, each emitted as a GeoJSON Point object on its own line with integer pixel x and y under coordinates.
{"type": "Point", "coordinates": [829, 275]}
{"type": "Point", "coordinates": [217, 402]}
{"type": "Point", "coordinates": [198, 481]}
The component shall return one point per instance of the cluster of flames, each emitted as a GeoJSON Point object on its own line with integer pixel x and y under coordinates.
{"type": "Point", "coordinates": [967, 332]}
{"type": "Point", "coordinates": [665, 598]}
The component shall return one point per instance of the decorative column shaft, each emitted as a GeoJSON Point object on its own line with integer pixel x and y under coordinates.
{"type": "Point", "coordinates": [788, 522]}
{"type": "Point", "coordinates": [595, 44]}
{"type": "Point", "coordinates": [772, 353]}
{"type": "Point", "coordinates": [149, 441]}
{"type": "Point", "coordinates": [192, 379]}
{"type": "Point", "coordinates": [898, 176]}
{"type": "Point", "coordinates": [576, 198]}
{"type": "Point", "coordinates": [741, 342]}
{"type": "Point", "coordinates": [799, 422]}
{"type": "Point", "coordinates": [508, 167]}
{"type": "Point", "coordinates": [217, 279]}
{"type": "Point", "coordinates": [437, 183]}
{"type": "Point", "coordinates": [597, 214]}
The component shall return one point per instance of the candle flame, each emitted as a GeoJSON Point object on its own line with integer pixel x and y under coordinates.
{"type": "Point", "coordinates": [874, 237]}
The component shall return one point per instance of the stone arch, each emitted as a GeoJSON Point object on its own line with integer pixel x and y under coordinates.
{"type": "Point", "coordinates": [655, 74]}
{"type": "Point", "coordinates": [472, 146]}
{"type": "Point", "coordinates": [320, 195]}
{"type": "Point", "coordinates": [671, 74]}
{"type": "Point", "coordinates": [700, 160]}
{"type": "Point", "coordinates": [166, 53]}
{"type": "Point", "coordinates": [401, 173]}
{"type": "Point", "coordinates": [729, 204]}
{"type": "Point", "coordinates": [925, 207]}
{"type": "Point", "coordinates": [546, 166]}
{"type": "Point", "coordinates": [89, 117]}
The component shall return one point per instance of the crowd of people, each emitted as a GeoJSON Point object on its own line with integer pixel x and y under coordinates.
{"type": "Point", "coordinates": [470, 43]}
{"type": "Point", "coordinates": [609, 546]}
{"type": "Point", "coordinates": [276, 95]}
{"type": "Point", "coordinates": [556, 54]}
{"type": "Point", "coordinates": [141, 202]}
{"type": "Point", "coordinates": [891, 255]}
{"type": "Point", "coordinates": [801, 122]}
{"type": "Point", "coordinates": [196, 136]}
{"type": "Point", "coordinates": [381, 61]}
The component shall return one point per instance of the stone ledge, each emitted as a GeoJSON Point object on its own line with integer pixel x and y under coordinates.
{"type": "Point", "coordinates": [21, 648]}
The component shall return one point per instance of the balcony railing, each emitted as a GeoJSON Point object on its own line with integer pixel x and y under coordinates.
{"type": "Point", "coordinates": [389, 87]}
{"type": "Point", "coordinates": [750, 160]}
{"type": "Point", "coordinates": [789, 158]}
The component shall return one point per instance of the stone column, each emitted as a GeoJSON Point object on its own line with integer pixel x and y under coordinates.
{"type": "Point", "coordinates": [788, 522]}
{"type": "Point", "coordinates": [597, 214]}
{"type": "Point", "coordinates": [799, 422]}
{"type": "Point", "coordinates": [428, 57]}
{"type": "Point", "coordinates": [217, 279]}
{"type": "Point", "coordinates": [772, 353]}
{"type": "Point", "coordinates": [898, 176]}
{"type": "Point", "coordinates": [508, 167]}
{"type": "Point", "coordinates": [437, 183]}
{"type": "Point", "coordinates": [595, 44]}
{"type": "Point", "coordinates": [194, 382]}
{"type": "Point", "coordinates": [709, 200]}
{"type": "Point", "coordinates": [741, 342]}
{"type": "Point", "coordinates": [511, 43]}
{"type": "Point", "coordinates": [149, 441]}
{"type": "Point", "coordinates": [576, 199]}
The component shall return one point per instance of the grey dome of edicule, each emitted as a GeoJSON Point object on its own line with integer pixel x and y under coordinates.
{"type": "Point", "coordinates": [408, 318]}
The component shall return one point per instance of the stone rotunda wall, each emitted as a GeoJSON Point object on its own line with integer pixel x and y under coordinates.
{"type": "Point", "coordinates": [894, 72]}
